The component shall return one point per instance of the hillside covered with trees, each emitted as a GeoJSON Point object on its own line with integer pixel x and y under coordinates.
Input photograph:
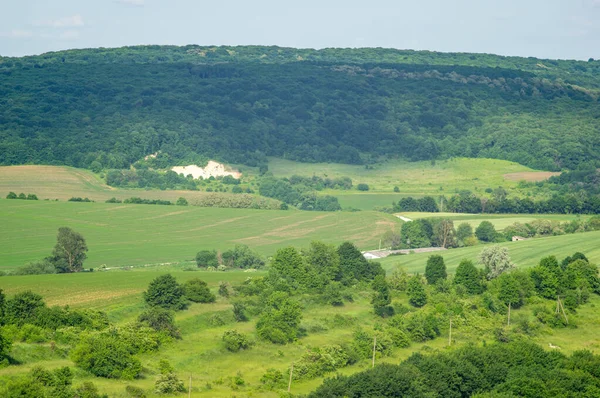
{"type": "Point", "coordinates": [108, 108]}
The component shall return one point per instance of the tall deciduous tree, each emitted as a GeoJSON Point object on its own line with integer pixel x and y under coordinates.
{"type": "Point", "coordinates": [468, 276]}
{"type": "Point", "coordinates": [165, 292]}
{"type": "Point", "coordinates": [70, 251]}
{"type": "Point", "coordinates": [495, 260]}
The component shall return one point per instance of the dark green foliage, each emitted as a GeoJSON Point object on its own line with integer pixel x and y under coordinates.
{"type": "Point", "coordinates": [509, 291]}
{"type": "Point", "coordinates": [241, 256]}
{"type": "Point", "coordinates": [417, 296]}
{"type": "Point", "coordinates": [140, 201]}
{"type": "Point", "coordinates": [22, 308]}
{"type": "Point", "coordinates": [207, 258]}
{"type": "Point", "coordinates": [181, 202]}
{"type": "Point", "coordinates": [288, 264]}
{"type": "Point", "coordinates": [422, 327]}
{"type": "Point", "coordinates": [497, 370]}
{"type": "Point", "coordinates": [239, 312]}
{"type": "Point", "coordinates": [235, 341]}
{"type": "Point", "coordinates": [485, 232]}
{"type": "Point", "coordinates": [362, 187]}
{"type": "Point", "coordinates": [197, 290]}
{"type": "Point", "coordinates": [165, 292]}
{"type": "Point", "coordinates": [417, 233]}
{"type": "Point", "coordinates": [569, 259]}
{"type": "Point", "coordinates": [283, 190]}
{"type": "Point", "coordinates": [70, 251]}
{"type": "Point", "coordinates": [30, 196]}
{"type": "Point", "coordinates": [78, 199]}
{"type": "Point", "coordinates": [106, 356]}
{"type": "Point", "coordinates": [435, 269]}
{"type": "Point", "coordinates": [332, 294]}
{"type": "Point", "coordinates": [353, 266]}
{"type": "Point", "coordinates": [425, 204]}
{"type": "Point", "coordinates": [2, 306]}
{"type": "Point", "coordinates": [318, 361]}
{"type": "Point", "coordinates": [224, 289]}
{"type": "Point", "coordinates": [5, 345]}
{"type": "Point", "coordinates": [382, 297]}
{"type": "Point", "coordinates": [135, 392]}
{"type": "Point", "coordinates": [468, 276]}
{"type": "Point", "coordinates": [280, 319]}
{"type": "Point", "coordinates": [161, 320]}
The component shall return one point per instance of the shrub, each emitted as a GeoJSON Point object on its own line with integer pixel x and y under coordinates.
{"type": "Point", "coordinates": [161, 320]}
{"type": "Point", "coordinates": [106, 356]}
{"type": "Point", "coordinates": [207, 258]}
{"type": "Point", "coordinates": [362, 187]}
{"type": "Point", "coordinates": [22, 308]}
{"type": "Point", "coordinates": [239, 312]}
{"type": "Point", "coordinates": [422, 327]}
{"type": "Point", "coordinates": [235, 341]}
{"type": "Point", "coordinates": [36, 268]}
{"type": "Point", "coordinates": [197, 290]}
{"type": "Point", "coordinates": [181, 202]}
{"type": "Point", "coordinates": [273, 379]}
{"type": "Point", "coordinates": [165, 292]}
{"type": "Point", "coordinates": [332, 294]}
{"type": "Point", "coordinates": [168, 384]}
{"type": "Point", "coordinates": [11, 195]}
{"type": "Point", "coordinates": [135, 392]}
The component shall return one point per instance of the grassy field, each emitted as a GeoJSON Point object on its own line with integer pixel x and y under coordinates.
{"type": "Point", "coordinates": [523, 253]}
{"type": "Point", "coordinates": [416, 178]}
{"type": "Point", "coordinates": [500, 221]}
{"type": "Point", "coordinates": [119, 234]}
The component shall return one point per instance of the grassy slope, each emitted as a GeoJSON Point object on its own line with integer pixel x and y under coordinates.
{"type": "Point", "coordinates": [119, 234]}
{"type": "Point", "coordinates": [524, 253]}
{"type": "Point", "coordinates": [412, 178]}
{"type": "Point", "coordinates": [201, 354]}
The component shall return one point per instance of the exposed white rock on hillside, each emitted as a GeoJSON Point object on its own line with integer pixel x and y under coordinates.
{"type": "Point", "coordinates": [212, 169]}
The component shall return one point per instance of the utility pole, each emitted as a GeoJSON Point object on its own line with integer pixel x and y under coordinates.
{"type": "Point", "coordinates": [190, 387]}
{"type": "Point", "coordinates": [291, 373]}
{"type": "Point", "coordinates": [374, 347]}
{"type": "Point", "coordinates": [509, 313]}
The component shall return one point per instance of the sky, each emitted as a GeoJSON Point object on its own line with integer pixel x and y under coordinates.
{"type": "Point", "coordinates": [557, 29]}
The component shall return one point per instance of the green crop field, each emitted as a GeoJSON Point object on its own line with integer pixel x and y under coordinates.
{"type": "Point", "coordinates": [119, 234]}
{"type": "Point", "coordinates": [500, 221]}
{"type": "Point", "coordinates": [523, 253]}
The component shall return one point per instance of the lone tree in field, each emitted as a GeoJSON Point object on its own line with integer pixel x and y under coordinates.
{"type": "Point", "coordinates": [69, 251]}
{"type": "Point", "coordinates": [485, 232]}
{"type": "Point", "coordinates": [435, 269]}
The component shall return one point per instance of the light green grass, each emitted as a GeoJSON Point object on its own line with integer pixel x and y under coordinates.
{"type": "Point", "coordinates": [414, 178]}
{"type": "Point", "coordinates": [523, 253]}
{"type": "Point", "coordinates": [500, 221]}
{"type": "Point", "coordinates": [120, 234]}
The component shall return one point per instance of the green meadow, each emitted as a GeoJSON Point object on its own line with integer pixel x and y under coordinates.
{"type": "Point", "coordinates": [500, 221]}
{"type": "Point", "coordinates": [524, 254]}
{"type": "Point", "coordinates": [127, 234]}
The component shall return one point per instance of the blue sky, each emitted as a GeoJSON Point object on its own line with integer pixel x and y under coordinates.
{"type": "Point", "coordinates": [566, 29]}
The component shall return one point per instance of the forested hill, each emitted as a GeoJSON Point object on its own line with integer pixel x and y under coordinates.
{"type": "Point", "coordinates": [240, 104]}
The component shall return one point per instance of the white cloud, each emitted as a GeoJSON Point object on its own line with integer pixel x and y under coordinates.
{"type": "Point", "coordinates": [17, 34]}
{"type": "Point", "coordinates": [66, 22]}
{"type": "Point", "coordinates": [137, 3]}
{"type": "Point", "coordinates": [69, 35]}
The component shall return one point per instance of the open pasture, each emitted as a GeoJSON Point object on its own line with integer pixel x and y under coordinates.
{"type": "Point", "coordinates": [525, 253]}
{"type": "Point", "coordinates": [500, 221]}
{"type": "Point", "coordinates": [127, 234]}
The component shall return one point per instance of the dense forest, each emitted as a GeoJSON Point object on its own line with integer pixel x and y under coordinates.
{"type": "Point", "coordinates": [109, 108]}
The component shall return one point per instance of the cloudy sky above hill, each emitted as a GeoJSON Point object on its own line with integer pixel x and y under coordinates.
{"type": "Point", "coordinates": [566, 29]}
